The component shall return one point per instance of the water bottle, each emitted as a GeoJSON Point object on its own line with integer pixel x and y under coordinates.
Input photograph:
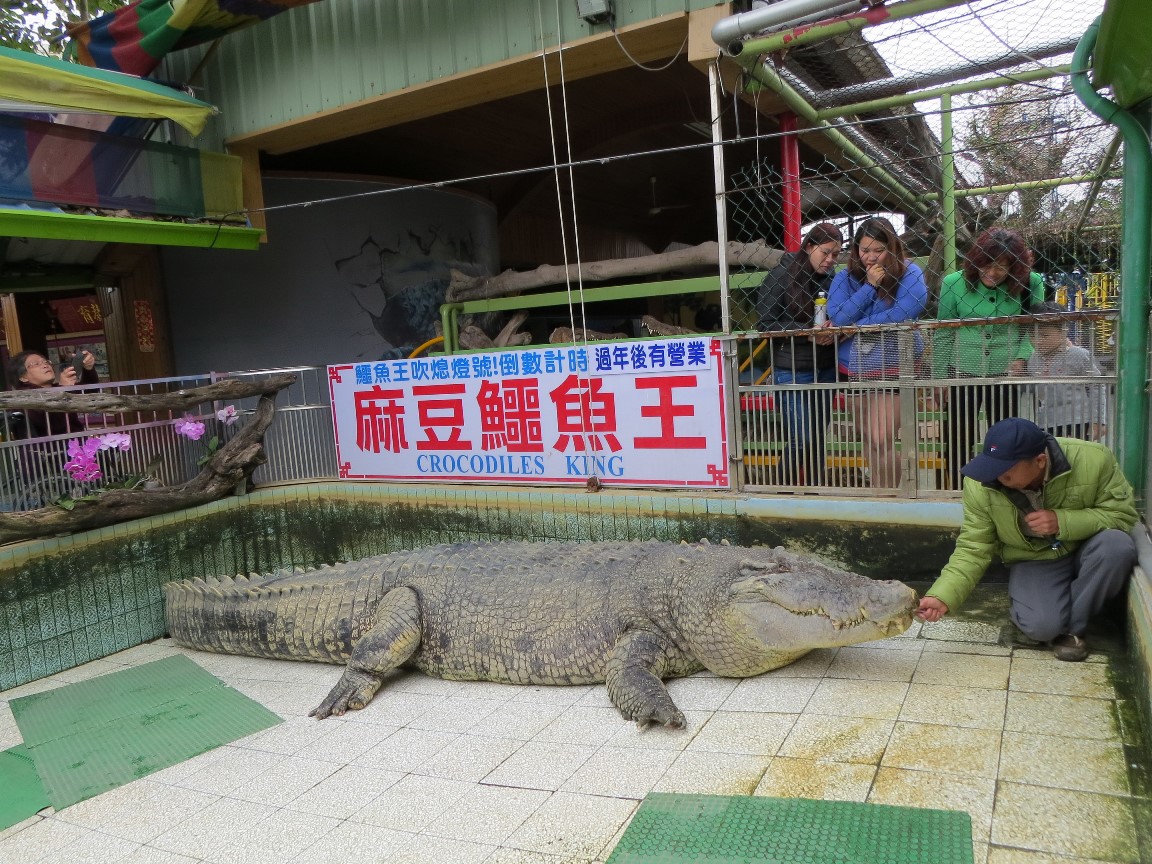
{"type": "Point", "coordinates": [820, 317]}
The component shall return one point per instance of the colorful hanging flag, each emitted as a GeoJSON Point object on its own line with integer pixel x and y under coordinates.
{"type": "Point", "coordinates": [135, 38]}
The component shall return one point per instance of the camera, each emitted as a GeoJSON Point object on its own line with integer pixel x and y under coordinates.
{"type": "Point", "coordinates": [78, 362]}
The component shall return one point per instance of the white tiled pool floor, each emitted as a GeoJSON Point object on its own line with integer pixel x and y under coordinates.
{"type": "Point", "coordinates": [435, 771]}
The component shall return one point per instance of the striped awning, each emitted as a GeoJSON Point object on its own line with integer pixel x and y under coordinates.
{"type": "Point", "coordinates": [136, 37]}
{"type": "Point", "coordinates": [32, 83]}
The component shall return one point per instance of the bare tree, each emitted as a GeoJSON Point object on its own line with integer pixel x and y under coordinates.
{"type": "Point", "coordinates": [37, 25]}
{"type": "Point", "coordinates": [1025, 133]}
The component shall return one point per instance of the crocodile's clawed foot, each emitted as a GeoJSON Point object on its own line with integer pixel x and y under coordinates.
{"type": "Point", "coordinates": [352, 692]}
{"type": "Point", "coordinates": [672, 718]}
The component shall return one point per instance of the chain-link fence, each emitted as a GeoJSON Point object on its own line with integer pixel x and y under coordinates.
{"type": "Point", "coordinates": [948, 262]}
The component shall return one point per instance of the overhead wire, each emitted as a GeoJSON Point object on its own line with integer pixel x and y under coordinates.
{"type": "Point", "coordinates": [605, 160]}
{"type": "Point", "coordinates": [640, 65]}
{"type": "Point", "coordinates": [570, 164]}
{"type": "Point", "coordinates": [556, 168]}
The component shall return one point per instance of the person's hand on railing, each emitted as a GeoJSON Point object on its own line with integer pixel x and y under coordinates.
{"type": "Point", "coordinates": [938, 396]}
{"type": "Point", "coordinates": [827, 338]}
{"type": "Point", "coordinates": [1017, 368]}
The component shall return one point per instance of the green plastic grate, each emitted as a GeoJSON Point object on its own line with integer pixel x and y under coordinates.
{"type": "Point", "coordinates": [21, 792]}
{"type": "Point", "coordinates": [95, 735]}
{"type": "Point", "coordinates": [720, 829]}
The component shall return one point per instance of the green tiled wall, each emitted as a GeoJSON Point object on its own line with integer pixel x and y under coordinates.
{"type": "Point", "coordinates": [73, 599]}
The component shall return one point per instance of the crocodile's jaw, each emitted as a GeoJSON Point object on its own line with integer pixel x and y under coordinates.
{"type": "Point", "coordinates": [767, 634]}
{"type": "Point", "coordinates": [846, 617]}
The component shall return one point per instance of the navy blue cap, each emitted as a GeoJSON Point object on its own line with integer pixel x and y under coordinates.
{"type": "Point", "coordinates": [1007, 442]}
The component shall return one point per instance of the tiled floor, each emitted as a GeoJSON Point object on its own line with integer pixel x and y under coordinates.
{"type": "Point", "coordinates": [434, 771]}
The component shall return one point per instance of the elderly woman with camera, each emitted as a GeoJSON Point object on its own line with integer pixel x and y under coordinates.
{"type": "Point", "coordinates": [31, 370]}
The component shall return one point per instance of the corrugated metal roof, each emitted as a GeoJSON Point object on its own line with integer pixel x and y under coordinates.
{"type": "Point", "coordinates": [319, 57]}
{"type": "Point", "coordinates": [34, 250]}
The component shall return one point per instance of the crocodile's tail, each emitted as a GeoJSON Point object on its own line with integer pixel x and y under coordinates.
{"type": "Point", "coordinates": [285, 616]}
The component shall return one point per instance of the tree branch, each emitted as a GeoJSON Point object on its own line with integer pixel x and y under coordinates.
{"type": "Point", "coordinates": [59, 399]}
{"type": "Point", "coordinates": [757, 255]}
{"type": "Point", "coordinates": [225, 469]}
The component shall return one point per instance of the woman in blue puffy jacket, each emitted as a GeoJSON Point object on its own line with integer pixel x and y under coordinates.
{"type": "Point", "coordinates": [879, 286]}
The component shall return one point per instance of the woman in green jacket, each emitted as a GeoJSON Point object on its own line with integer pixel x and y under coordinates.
{"type": "Point", "coordinates": [997, 281]}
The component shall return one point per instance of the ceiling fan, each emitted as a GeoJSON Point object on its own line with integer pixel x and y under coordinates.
{"type": "Point", "coordinates": [657, 209]}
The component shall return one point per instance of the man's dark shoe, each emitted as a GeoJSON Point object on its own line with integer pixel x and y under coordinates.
{"type": "Point", "coordinates": [1070, 648]}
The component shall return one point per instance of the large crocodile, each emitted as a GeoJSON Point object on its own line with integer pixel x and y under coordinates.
{"type": "Point", "coordinates": [626, 614]}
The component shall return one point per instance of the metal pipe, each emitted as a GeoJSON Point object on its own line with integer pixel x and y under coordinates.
{"type": "Point", "coordinates": [1051, 183]}
{"type": "Point", "coordinates": [934, 92]}
{"type": "Point", "coordinates": [790, 182]}
{"type": "Point", "coordinates": [718, 176]}
{"type": "Point", "coordinates": [940, 75]}
{"type": "Point", "coordinates": [810, 33]}
{"type": "Point", "coordinates": [948, 182]}
{"type": "Point", "coordinates": [736, 27]}
{"type": "Point", "coordinates": [772, 79]}
{"type": "Point", "coordinates": [1135, 266]}
{"type": "Point", "coordinates": [1105, 164]}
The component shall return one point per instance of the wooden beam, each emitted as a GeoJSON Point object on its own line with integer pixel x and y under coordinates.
{"type": "Point", "coordinates": [702, 52]}
{"type": "Point", "coordinates": [252, 185]}
{"type": "Point", "coordinates": [11, 324]}
{"type": "Point", "coordinates": [656, 39]}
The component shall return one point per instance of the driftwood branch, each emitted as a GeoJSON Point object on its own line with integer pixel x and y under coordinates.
{"type": "Point", "coordinates": [58, 399]}
{"type": "Point", "coordinates": [757, 255]}
{"type": "Point", "coordinates": [225, 469]}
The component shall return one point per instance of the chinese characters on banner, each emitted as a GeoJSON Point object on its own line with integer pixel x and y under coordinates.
{"type": "Point", "coordinates": [645, 413]}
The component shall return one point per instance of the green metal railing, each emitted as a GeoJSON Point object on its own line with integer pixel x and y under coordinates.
{"type": "Point", "coordinates": [450, 312]}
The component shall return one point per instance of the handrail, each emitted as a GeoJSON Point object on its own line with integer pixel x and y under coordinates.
{"type": "Point", "coordinates": [450, 312]}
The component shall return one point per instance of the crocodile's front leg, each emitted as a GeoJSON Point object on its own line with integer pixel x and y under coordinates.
{"type": "Point", "coordinates": [392, 640]}
{"type": "Point", "coordinates": [635, 665]}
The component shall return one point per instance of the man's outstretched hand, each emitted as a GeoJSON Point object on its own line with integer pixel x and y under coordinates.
{"type": "Point", "coordinates": [931, 609]}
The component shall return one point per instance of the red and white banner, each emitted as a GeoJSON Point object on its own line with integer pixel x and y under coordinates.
{"type": "Point", "coordinates": [645, 413]}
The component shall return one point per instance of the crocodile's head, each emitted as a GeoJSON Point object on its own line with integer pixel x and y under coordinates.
{"type": "Point", "coordinates": [784, 605]}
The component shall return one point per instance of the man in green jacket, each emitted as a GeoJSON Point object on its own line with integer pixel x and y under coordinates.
{"type": "Point", "coordinates": [1058, 512]}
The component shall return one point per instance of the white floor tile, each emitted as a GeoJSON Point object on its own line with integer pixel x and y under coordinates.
{"type": "Point", "coordinates": [487, 814]}
{"type": "Point", "coordinates": [406, 749]}
{"type": "Point", "coordinates": [287, 780]}
{"type": "Point", "coordinates": [437, 771]}
{"type": "Point", "coordinates": [622, 772]}
{"type": "Point", "coordinates": [214, 827]}
{"type": "Point", "coordinates": [278, 838]}
{"type": "Point", "coordinates": [412, 803]}
{"type": "Point", "coordinates": [355, 843]}
{"type": "Point", "coordinates": [470, 758]}
{"type": "Point", "coordinates": [343, 793]}
{"type": "Point", "coordinates": [540, 765]}
{"type": "Point", "coordinates": [572, 825]}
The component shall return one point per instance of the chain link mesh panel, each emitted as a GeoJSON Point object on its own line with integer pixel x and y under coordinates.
{"type": "Point", "coordinates": [956, 277]}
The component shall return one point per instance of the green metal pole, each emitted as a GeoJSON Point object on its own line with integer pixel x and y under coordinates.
{"type": "Point", "coordinates": [948, 182]}
{"type": "Point", "coordinates": [1101, 172]}
{"type": "Point", "coordinates": [1050, 183]}
{"type": "Point", "coordinates": [770, 78]}
{"type": "Point", "coordinates": [1135, 267]}
{"type": "Point", "coordinates": [943, 90]}
{"type": "Point", "coordinates": [808, 33]}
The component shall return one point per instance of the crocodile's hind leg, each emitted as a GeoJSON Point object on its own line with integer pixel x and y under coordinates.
{"type": "Point", "coordinates": [635, 664]}
{"type": "Point", "coordinates": [394, 637]}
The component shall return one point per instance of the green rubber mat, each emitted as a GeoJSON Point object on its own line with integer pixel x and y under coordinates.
{"type": "Point", "coordinates": [21, 792]}
{"type": "Point", "coordinates": [95, 735]}
{"type": "Point", "coordinates": [721, 829]}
